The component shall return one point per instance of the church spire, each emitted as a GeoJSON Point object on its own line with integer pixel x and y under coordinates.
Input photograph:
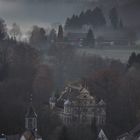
{"type": "Point", "coordinates": [31, 98]}
{"type": "Point", "coordinates": [84, 83]}
{"type": "Point", "coordinates": [31, 116]}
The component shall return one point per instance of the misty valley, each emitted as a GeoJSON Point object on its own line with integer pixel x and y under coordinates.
{"type": "Point", "coordinates": [69, 70]}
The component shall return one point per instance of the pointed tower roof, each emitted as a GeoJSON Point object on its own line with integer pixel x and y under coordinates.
{"type": "Point", "coordinates": [31, 110]}
{"type": "Point", "coordinates": [102, 103]}
{"type": "Point", "coordinates": [102, 136]}
{"type": "Point", "coordinates": [85, 94]}
{"type": "Point", "coordinates": [84, 91]}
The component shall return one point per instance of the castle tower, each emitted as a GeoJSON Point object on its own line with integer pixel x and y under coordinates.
{"type": "Point", "coordinates": [101, 114]}
{"type": "Point", "coordinates": [31, 118]}
{"type": "Point", "coordinates": [67, 112]}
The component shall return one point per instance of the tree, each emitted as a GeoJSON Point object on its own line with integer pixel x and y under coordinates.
{"type": "Point", "coordinates": [94, 18]}
{"type": "Point", "coordinates": [38, 36]}
{"type": "Point", "coordinates": [3, 30]}
{"type": "Point", "coordinates": [22, 65]}
{"type": "Point", "coordinates": [132, 37]}
{"type": "Point", "coordinates": [113, 15]}
{"type": "Point", "coordinates": [94, 128]}
{"type": "Point", "coordinates": [60, 33]}
{"type": "Point", "coordinates": [62, 58]}
{"type": "Point", "coordinates": [81, 19]}
{"type": "Point", "coordinates": [52, 35]}
{"type": "Point", "coordinates": [67, 23]}
{"type": "Point", "coordinates": [77, 133]}
{"type": "Point", "coordinates": [105, 84]}
{"type": "Point", "coordinates": [98, 18]}
{"type": "Point", "coordinates": [63, 134]}
{"type": "Point", "coordinates": [15, 32]}
{"type": "Point", "coordinates": [90, 40]}
{"type": "Point", "coordinates": [48, 123]}
{"type": "Point", "coordinates": [43, 83]}
{"type": "Point", "coordinates": [3, 63]}
{"type": "Point", "coordinates": [132, 59]}
{"type": "Point", "coordinates": [121, 25]}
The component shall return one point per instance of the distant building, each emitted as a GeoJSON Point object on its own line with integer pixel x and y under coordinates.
{"type": "Point", "coordinates": [112, 39]}
{"type": "Point", "coordinates": [108, 42]}
{"type": "Point", "coordinates": [75, 38]}
{"type": "Point", "coordinates": [78, 106]}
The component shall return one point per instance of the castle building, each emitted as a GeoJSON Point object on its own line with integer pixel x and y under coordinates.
{"type": "Point", "coordinates": [81, 107]}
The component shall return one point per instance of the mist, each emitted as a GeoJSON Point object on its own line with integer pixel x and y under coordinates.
{"type": "Point", "coordinates": [54, 12]}
{"type": "Point", "coordinates": [43, 13]}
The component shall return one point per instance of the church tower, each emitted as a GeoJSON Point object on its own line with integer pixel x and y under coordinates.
{"type": "Point", "coordinates": [31, 118]}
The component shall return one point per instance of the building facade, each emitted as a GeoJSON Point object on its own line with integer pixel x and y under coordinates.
{"type": "Point", "coordinates": [80, 107]}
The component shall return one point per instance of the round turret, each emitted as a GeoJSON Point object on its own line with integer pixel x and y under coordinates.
{"type": "Point", "coordinates": [67, 103]}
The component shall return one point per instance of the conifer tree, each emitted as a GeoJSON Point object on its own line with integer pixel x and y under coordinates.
{"type": "Point", "coordinates": [60, 33]}
{"type": "Point", "coordinates": [114, 19]}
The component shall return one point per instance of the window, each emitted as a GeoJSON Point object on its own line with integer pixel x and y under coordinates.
{"type": "Point", "coordinates": [30, 123]}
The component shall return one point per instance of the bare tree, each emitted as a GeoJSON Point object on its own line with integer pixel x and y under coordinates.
{"type": "Point", "coordinates": [15, 32]}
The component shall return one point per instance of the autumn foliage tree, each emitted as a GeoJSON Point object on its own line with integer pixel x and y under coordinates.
{"type": "Point", "coordinates": [43, 84]}
{"type": "Point", "coordinates": [38, 37]}
{"type": "Point", "coordinates": [15, 32]}
{"type": "Point", "coordinates": [18, 65]}
{"type": "Point", "coordinates": [60, 33]}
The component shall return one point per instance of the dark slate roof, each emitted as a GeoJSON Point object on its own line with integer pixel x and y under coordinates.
{"type": "Point", "coordinates": [31, 112]}
{"type": "Point", "coordinates": [74, 92]}
{"type": "Point", "coordinates": [123, 135]}
{"type": "Point", "coordinates": [135, 131]}
{"type": "Point", "coordinates": [133, 134]}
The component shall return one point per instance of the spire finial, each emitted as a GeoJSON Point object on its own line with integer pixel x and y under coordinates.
{"type": "Point", "coordinates": [69, 92]}
{"type": "Point", "coordinates": [85, 84]}
{"type": "Point", "coordinates": [31, 98]}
